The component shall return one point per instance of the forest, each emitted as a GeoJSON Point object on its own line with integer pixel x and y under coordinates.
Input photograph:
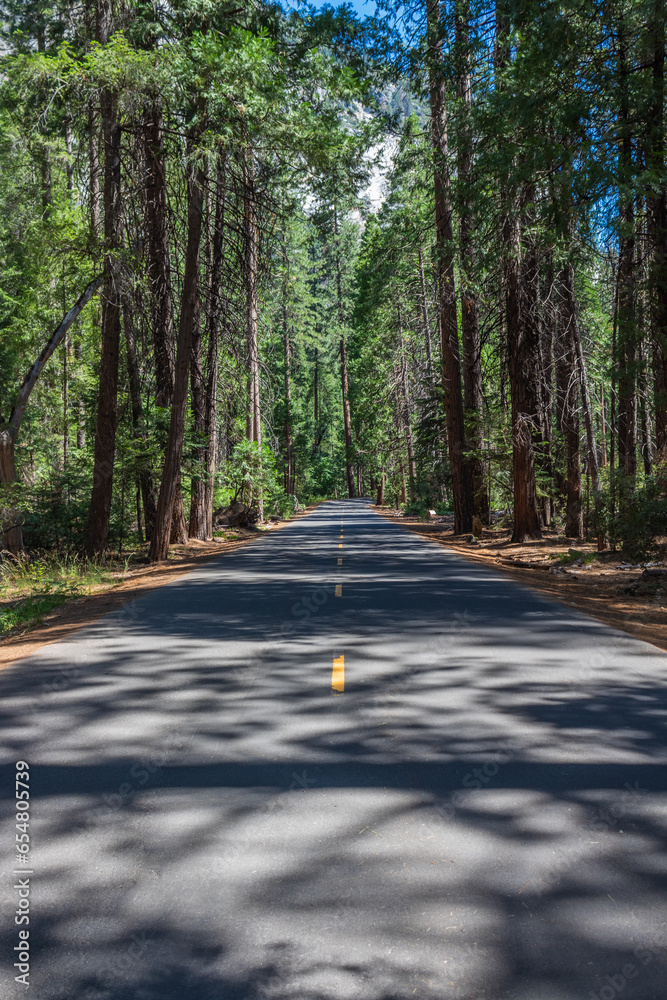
{"type": "Point", "coordinates": [274, 254]}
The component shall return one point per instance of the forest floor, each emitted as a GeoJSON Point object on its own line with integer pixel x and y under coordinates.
{"type": "Point", "coordinates": [566, 569]}
{"type": "Point", "coordinates": [109, 590]}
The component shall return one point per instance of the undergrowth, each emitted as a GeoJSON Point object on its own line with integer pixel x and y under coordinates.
{"type": "Point", "coordinates": [31, 588]}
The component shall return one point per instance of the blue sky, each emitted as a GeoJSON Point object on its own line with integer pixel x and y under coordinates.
{"type": "Point", "coordinates": [362, 7]}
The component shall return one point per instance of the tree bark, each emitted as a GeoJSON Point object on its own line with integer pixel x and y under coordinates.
{"type": "Point", "coordinates": [547, 339]}
{"type": "Point", "coordinates": [522, 345]}
{"type": "Point", "coordinates": [568, 408]}
{"type": "Point", "coordinates": [189, 314]}
{"type": "Point", "coordinates": [94, 172]}
{"type": "Point", "coordinates": [462, 486]}
{"type": "Point", "coordinates": [409, 440]}
{"type": "Point", "coordinates": [380, 496]}
{"type": "Point", "coordinates": [251, 264]}
{"type": "Point", "coordinates": [470, 336]}
{"type": "Point", "coordinates": [626, 326]}
{"type": "Point", "coordinates": [145, 480]}
{"type": "Point", "coordinates": [347, 421]}
{"type": "Point", "coordinates": [426, 319]}
{"type": "Point", "coordinates": [197, 525]}
{"type": "Point", "coordinates": [289, 475]}
{"type": "Point", "coordinates": [446, 312]}
{"type": "Point", "coordinates": [213, 322]}
{"type": "Point", "coordinates": [107, 399]}
{"type": "Point", "coordinates": [656, 201]}
{"type": "Point", "coordinates": [158, 263]}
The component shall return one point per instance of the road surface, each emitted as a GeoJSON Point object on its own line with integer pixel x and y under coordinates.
{"type": "Point", "coordinates": [341, 762]}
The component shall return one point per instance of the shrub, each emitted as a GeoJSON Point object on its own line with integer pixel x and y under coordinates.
{"type": "Point", "coordinates": [634, 515]}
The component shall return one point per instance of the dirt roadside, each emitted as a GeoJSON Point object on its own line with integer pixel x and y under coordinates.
{"type": "Point", "coordinates": [594, 588]}
{"type": "Point", "coordinates": [106, 598]}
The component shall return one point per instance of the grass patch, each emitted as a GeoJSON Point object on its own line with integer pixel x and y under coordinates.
{"type": "Point", "coordinates": [574, 555]}
{"type": "Point", "coordinates": [29, 612]}
{"type": "Point", "coordinates": [32, 588]}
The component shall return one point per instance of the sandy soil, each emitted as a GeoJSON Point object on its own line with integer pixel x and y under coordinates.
{"type": "Point", "coordinates": [81, 611]}
{"type": "Point", "coordinates": [594, 588]}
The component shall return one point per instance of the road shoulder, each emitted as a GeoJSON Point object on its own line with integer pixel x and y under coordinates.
{"type": "Point", "coordinates": [645, 620]}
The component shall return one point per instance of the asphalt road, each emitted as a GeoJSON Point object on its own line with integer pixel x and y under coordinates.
{"type": "Point", "coordinates": [245, 787]}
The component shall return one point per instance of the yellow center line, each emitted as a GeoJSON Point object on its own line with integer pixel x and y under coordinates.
{"type": "Point", "coordinates": [338, 674]}
{"type": "Point", "coordinates": [339, 590]}
{"type": "Point", "coordinates": [340, 562]}
{"type": "Point", "coordinates": [340, 546]}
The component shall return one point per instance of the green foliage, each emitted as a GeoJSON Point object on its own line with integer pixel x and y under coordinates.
{"type": "Point", "coordinates": [634, 514]}
{"type": "Point", "coordinates": [32, 588]}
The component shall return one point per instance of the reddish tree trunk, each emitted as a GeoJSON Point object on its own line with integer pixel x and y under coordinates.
{"type": "Point", "coordinates": [107, 400]}
{"type": "Point", "coordinates": [462, 490]}
{"type": "Point", "coordinates": [189, 315]}
{"type": "Point", "coordinates": [470, 336]}
{"type": "Point", "coordinates": [213, 321]}
{"type": "Point", "coordinates": [568, 406]}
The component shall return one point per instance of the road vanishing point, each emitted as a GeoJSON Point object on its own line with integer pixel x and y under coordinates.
{"type": "Point", "coordinates": [341, 762]}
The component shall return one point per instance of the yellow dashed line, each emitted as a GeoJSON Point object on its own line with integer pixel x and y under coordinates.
{"type": "Point", "coordinates": [338, 674]}
{"type": "Point", "coordinates": [340, 546]}
{"type": "Point", "coordinates": [339, 590]}
{"type": "Point", "coordinates": [340, 562]}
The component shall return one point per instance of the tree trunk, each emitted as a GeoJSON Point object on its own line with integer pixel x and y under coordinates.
{"type": "Point", "coordinates": [656, 200]}
{"type": "Point", "coordinates": [107, 400]}
{"type": "Point", "coordinates": [521, 346]}
{"type": "Point", "coordinates": [571, 308]}
{"type": "Point", "coordinates": [316, 397]}
{"type": "Point", "coordinates": [12, 531]}
{"type": "Point", "coordinates": [144, 476]}
{"type": "Point", "coordinates": [197, 525]}
{"type": "Point", "coordinates": [568, 407]}
{"type": "Point", "coordinates": [66, 353]}
{"type": "Point", "coordinates": [81, 404]}
{"type": "Point", "coordinates": [158, 263]}
{"type": "Point", "coordinates": [404, 490]}
{"type": "Point", "coordinates": [347, 421]}
{"type": "Point", "coordinates": [251, 264]}
{"type": "Point", "coordinates": [409, 440]}
{"type": "Point", "coordinates": [603, 427]}
{"type": "Point", "coordinates": [462, 490]}
{"type": "Point", "coordinates": [380, 496]}
{"type": "Point", "coordinates": [547, 339]}
{"type": "Point", "coordinates": [189, 315]}
{"type": "Point", "coordinates": [214, 320]}
{"type": "Point", "coordinates": [94, 171]}
{"type": "Point", "coordinates": [427, 322]}
{"type": "Point", "coordinates": [289, 477]}
{"type": "Point", "coordinates": [626, 327]}
{"type": "Point", "coordinates": [470, 336]}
